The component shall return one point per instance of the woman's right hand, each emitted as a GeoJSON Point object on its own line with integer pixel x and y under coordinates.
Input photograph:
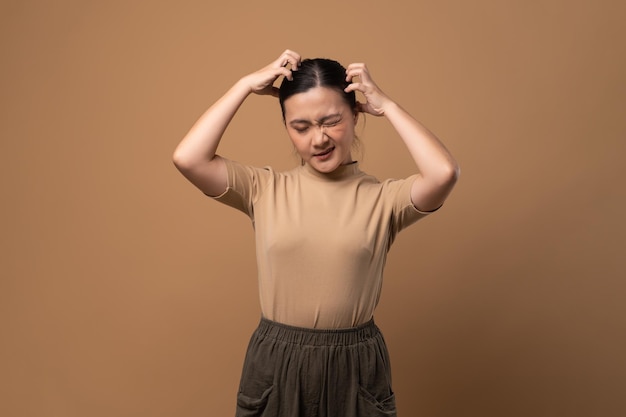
{"type": "Point", "coordinates": [195, 155]}
{"type": "Point", "coordinates": [261, 82]}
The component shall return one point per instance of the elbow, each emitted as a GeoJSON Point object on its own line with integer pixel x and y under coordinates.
{"type": "Point", "coordinates": [182, 161]}
{"type": "Point", "coordinates": [179, 160]}
{"type": "Point", "coordinates": [455, 172]}
{"type": "Point", "coordinates": [449, 174]}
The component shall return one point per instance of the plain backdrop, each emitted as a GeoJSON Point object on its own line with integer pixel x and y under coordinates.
{"type": "Point", "coordinates": [125, 292]}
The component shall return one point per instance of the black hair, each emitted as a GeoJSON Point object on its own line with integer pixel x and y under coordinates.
{"type": "Point", "coordinates": [317, 72]}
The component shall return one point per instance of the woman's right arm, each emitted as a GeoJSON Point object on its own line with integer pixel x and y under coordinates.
{"type": "Point", "coordinates": [195, 155]}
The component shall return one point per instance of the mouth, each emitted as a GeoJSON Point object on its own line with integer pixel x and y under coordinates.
{"type": "Point", "coordinates": [325, 153]}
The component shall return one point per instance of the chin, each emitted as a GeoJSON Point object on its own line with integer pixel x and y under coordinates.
{"type": "Point", "coordinates": [331, 164]}
{"type": "Point", "coordinates": [326, 167]}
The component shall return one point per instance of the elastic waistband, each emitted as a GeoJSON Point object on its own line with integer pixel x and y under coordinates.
{"type": "Point", "coordinates": [317, 337]}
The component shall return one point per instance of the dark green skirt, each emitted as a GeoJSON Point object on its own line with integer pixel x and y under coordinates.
{"type": "Point", "coordinates": [299, 372]}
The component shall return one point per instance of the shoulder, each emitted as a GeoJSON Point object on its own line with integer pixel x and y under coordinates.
{"type": "Point", "coordinates": [237, 166]}
{"type": "Point", "coordinates": [387, 184]}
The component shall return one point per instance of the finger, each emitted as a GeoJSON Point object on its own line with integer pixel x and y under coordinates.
{"type": "Point", "coordinates": [285, 72]}
{"type": "Point", "coordinates": [290, 58]}
{"type": "Point", "coordinates": [295, 60]}
{"type": "Point", "coordinates": [292, 54]}
{"type": "Point", "coordinates": [354, 87]}
{"type": "Point", "coordinates": [357, 70]}
{"type": "Point", "coordinates": [289, 63]}
{"type": "Point", "coordinates": [277, 72]}
{"type": "Point", "coordinates": [283, 59]}
{"type": "Point", "coordinates": [356, 65]}
{"type": "Point", "coordinates": [362, 74]}
{"type": "Point", "coordinates": [352, 74]}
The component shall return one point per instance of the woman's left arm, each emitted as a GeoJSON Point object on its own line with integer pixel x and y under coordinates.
{"type": "Point", "coordinates": [438, 170]}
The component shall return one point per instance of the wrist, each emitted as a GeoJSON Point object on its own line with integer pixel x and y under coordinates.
{"type": "Point", "coordinates": [244, 86]}
{"type": "Point", "coordinates": [389, 107]}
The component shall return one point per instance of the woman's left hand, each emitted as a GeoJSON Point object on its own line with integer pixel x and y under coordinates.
{"type": "Point", "coordinates": [376, 100]}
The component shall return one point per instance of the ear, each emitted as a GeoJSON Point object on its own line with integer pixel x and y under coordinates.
{"type": "Point", "coordinates": [356, 115]}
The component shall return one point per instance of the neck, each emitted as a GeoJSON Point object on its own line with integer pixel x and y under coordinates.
{"type": "Point", "coordinates": [342, 171]}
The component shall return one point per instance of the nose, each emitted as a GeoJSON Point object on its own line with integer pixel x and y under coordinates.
{"type": "Point", "coordinates": [320, 138]}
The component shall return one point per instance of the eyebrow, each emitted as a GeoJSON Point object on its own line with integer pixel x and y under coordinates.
{"type": "Point", "coordinates": [321, 120]}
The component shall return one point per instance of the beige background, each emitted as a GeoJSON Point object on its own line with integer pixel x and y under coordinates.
{"type": "Point", "coordinates": [125, 292]}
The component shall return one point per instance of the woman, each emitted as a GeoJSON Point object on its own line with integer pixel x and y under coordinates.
{"type": "Point", "coordinates": [322, 234]}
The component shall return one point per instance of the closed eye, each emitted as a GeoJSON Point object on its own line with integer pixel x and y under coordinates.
{"type": "Point", "coordinates": [332, 123]}
{"type": "Point", "coordinates": [330, 120]}
{"type": "Point", "coordinates": [300, 125]}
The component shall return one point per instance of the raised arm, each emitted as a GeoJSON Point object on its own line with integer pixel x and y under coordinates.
{"type": "Point", "coordinates": [195, 155]}
{"type": "Point", "coordinates": [438, 171]}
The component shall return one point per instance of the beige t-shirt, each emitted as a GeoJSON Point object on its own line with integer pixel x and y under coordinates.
{"type": "Point", "coordinates": [321, 239]}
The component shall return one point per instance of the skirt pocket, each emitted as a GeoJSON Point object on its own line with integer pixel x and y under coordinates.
{"type": "Point", "coordinates": [371, 406]}
{"type": "Point", "coordinates": [252, 407]}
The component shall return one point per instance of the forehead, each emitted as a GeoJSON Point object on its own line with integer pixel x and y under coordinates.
{"type": "Point", "coordinates": [315, 103]}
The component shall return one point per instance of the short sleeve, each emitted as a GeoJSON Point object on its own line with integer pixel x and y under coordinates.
{"type": "Point", "coordinates": [404, 212]}
{"type": "Point", "coordinates": [245, 185]}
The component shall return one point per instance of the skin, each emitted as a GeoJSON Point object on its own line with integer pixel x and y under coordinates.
{"type": "Point", "coordinates": [321, 125]}
{"type": "Point", "coordinates": [196, 157]}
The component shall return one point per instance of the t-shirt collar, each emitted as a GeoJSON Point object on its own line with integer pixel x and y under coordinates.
{"type": "Point", "coordinates": [342, 171]}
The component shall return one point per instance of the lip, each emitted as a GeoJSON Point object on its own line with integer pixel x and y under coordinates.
{"type": "Point", "coordinates": [325, 154]}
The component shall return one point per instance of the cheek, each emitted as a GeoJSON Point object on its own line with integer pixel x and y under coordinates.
{"type": "Point", "coordinates": [298, 140]}
{"type": "Point", "coordinates": [342, 133]}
